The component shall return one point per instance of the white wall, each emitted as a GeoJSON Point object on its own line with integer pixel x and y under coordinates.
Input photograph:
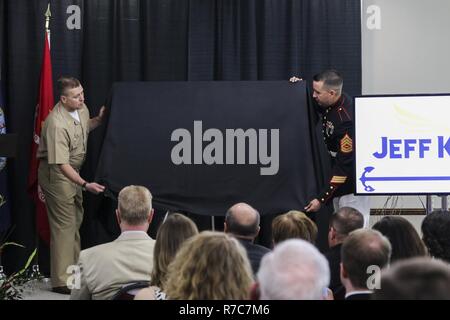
{"type": "Point", "coordinates": [406, 47]}
{"type": "Point", "coordinates": [405, 50]}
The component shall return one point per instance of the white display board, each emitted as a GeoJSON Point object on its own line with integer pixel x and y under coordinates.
{"type": "Point", "coordinates": [402, 144]}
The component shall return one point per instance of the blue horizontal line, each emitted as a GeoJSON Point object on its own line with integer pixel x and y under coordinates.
{"type": "Point", "coordinates": [406, 178]}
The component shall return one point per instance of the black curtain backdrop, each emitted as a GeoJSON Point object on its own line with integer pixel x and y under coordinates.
{"type": "Point", "coordinates": [155, 40]}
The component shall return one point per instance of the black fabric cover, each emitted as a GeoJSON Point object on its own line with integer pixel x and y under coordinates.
{"type": "Point", "coordinates": [137, 146]}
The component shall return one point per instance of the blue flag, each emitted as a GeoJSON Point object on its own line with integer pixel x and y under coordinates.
{"type": "Point", "coordinates": [5, 214]}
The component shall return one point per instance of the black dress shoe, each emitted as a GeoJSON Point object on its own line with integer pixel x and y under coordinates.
{"type": "Point", "coordinates": [61, 290]}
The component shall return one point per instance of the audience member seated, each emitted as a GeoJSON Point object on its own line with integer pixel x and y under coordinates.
{"type": "Point", "coordinates": [342, 222]}
{"type": "Point", "coordinates": [172, 233]}
{"type": "Point", "coordinates": [242, 221]}
{"type": "Point", "coordinates": [420, 278]}
{"type": "Point", "coordinates": [294, 270]}
{"type": "Point", "coordinates": [364, 253]}
{"type": "Point", "coordinates": [436, 234]}
{"type": "Point", "coordinates": [404, 239]}
{"type": "Point", "coordinates": [293, 225]}
{"type": "Point", "coordinates": [209, 266]}
{"type": "Point", "coordinates": [108, 267]}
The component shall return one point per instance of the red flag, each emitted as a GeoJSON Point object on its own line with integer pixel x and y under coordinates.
{"type": "Point", "coordinates": [43, 108]}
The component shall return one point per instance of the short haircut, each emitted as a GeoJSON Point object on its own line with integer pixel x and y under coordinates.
{"type": "Point", "coordinates": [404, 239]}
{"type": "Point", "coordinates": [67, 83]}
{"type": "Point", "coordinates": [331, 78]}
{"type": "Point", "coordinates": [236, 227]}
{"type": "Point", "coordinates": [364, 248]}
{"type": "Point", "coordinates": [436, 234]}
{"type": "Point", "coordinates": [420, 278]}
{"type": "Point", "coordinates": [293, 224]}
{"type": "Point", "coordinates": [294, 270]}
{"type": "Point", "coordinates": [346, 220]}
{"type": "Point", "coordinates": [134, 204]}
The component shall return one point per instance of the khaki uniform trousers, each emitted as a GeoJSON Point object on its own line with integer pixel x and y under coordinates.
{"type": "Point", "coordinates": [64, 202]}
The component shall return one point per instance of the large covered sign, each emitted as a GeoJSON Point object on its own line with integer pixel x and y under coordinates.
{"type": "Point", "coordinates": [202, 146]}
{"type": "Point", "coordinates": [402, 144]}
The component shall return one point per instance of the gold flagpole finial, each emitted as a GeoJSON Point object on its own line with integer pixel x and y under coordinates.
{"type": "Point", "coordinates": [48, 14]}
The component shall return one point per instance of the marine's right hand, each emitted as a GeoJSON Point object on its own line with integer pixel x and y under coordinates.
{"type": "Point", "coordinates": [313, 206]}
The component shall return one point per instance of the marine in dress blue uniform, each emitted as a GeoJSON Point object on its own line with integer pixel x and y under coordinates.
{"type": "Point", "coordinates": [337, 128]}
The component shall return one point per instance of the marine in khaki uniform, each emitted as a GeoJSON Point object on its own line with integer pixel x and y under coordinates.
{"type": "Point", "coordinates": [62, 150]}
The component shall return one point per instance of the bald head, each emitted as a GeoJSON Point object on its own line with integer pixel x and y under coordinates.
{"type": "Point", "coordinates": [242, 220]}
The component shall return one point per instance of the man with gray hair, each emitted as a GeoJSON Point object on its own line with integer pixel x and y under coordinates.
{"type": "Point", "coordinates": [294, 270]}
{"type": "Point", "coordinates": [364, 253]}
{"type": "Point", "coordinates": [108, 267]}
{"type": "Point", "coordinates": [242, 221]}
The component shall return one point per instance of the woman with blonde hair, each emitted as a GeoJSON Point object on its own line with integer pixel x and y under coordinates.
{"type": "Point", "coordinates": [209, 266]}
{"type": "Point", "coordinates": [172, 233]}
{"type": "Point", "coordinates": [291, 225]}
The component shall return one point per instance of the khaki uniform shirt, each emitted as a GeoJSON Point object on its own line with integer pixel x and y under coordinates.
{"type": "Point", "coordinates": [64, 139]}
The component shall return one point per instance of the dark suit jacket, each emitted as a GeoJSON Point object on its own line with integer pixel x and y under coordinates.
{"type": "Point", "coordinates": [255, 253]}
{"type": "Point", "coordinates": [334, 259]}
{"type": "Point", "coordinates": [359, 296]}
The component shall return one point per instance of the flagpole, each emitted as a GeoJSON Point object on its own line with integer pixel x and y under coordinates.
{"type": "Point", "coordinates": [48, 15]}
{"type": "Point", "coordinates": [36, 274]}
